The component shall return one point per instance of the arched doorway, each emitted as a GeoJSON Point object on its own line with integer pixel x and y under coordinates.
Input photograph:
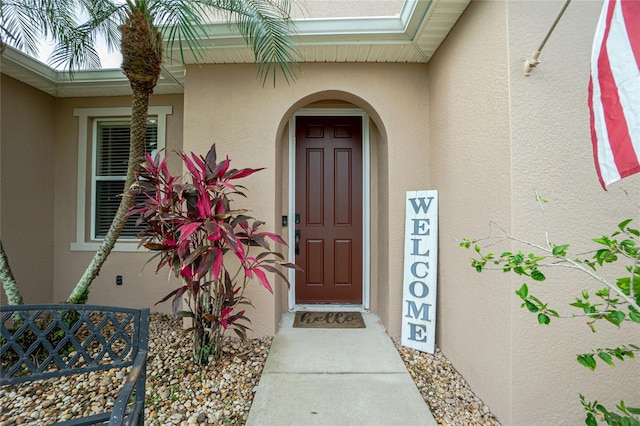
{"type": "Point", "coordinates": [329, 207]}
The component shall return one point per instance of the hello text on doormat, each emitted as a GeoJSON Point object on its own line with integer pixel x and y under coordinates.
{"type": "Point", "coordinates": [328, 320]}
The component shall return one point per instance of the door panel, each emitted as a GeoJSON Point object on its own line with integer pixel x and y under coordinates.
{"type": "Point", "coordinates": [329, 201]}
{"type": "Point", "coordinates": [314, 270]}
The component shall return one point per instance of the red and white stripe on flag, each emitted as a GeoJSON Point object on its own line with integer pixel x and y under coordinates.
{"type": "Point", "coordinates": [614, 91]}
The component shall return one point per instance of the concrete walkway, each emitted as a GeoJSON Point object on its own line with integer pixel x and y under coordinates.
{"type": "Point", "coordinates": [336, 377]}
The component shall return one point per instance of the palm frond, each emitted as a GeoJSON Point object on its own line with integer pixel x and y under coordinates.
{"type": "Point", "coordinates": [265, 25]}
{"type": "Point", "coordinates": [24, 22]}
{"type": "Point", "coordinates": [267, 28]}
{"type": "Point", "coordinates": [76, 48]}
{"type": "Point", "coordinates": [17, 29]}
{"type": "Point", "coordinates": [76, 51]}
{"type": "Point", "coordinates": [181, 22]}
{"type": "Point", "coordinates": [57, 15]}
{"type": "Point", "coordinates": [104, 19]}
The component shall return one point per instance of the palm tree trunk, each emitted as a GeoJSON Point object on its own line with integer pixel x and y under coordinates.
{"type": "Point", "coordinates": [140, 103]}
{"type": "Point", "coordinates": [9, 284]}
{"type": "Point", "coordinates": [141, 59]}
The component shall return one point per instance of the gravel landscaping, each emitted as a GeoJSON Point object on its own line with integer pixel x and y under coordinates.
{"type": "Point", "coordinates": [182, 393]}
{"type": "Point", "coordinates": [449, 396]}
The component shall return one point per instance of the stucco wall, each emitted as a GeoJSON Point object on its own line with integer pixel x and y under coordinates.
{"type": "Point", "coordinates": [498, 137]}
{"type": "Point", "coordinates": [27, 188]}
{"type": "Point", "coordinates": [141, 288]}
{"type": "Point", "coordinates": [247, 122]}
{"type": "Point", "coordinates": [469, 125]}
{"type": "Point", "coordinates": [551, 152]}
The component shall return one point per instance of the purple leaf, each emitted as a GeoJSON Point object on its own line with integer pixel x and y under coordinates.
{"type": "Point", "coordinates": [237, 174]}
{"type": "Point", "coordinates": [227, 185]}
{"type": "Point", "coordinates": [175, 303]}
{"type": "Point", "coordinates": [187, 229]}
{"type": "Point", "coordinates": [198, 161]}
{"type": "Point", "coordinates": [217, 265]}
{"type": "Point", "coordinates": [262, 277]}
{"type": "Point", "coordinates": [179, 290]}
{"type": "Point", "coordinates": [206, 263]}
{"type": "Point", "coordinates": [190, 166]}
{"type": "Point", "coordinates": [204, 204]}
{"type": "Point", "coordinates": [274, 237]}
{"type": "Point", "coordinates": [220, 169]}
{"type": "Point", "coordinates": [211, 156]}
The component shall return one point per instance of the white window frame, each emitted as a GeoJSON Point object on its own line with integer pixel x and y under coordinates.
{"type": "Point", "coordinates": [86, 116]}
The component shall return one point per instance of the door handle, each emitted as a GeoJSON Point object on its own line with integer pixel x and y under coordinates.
{"type": "Point", "coordinates": [297, 241]}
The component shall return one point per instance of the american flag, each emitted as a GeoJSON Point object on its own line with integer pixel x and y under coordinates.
{"type": "Point", "coordinates": [614, 91]}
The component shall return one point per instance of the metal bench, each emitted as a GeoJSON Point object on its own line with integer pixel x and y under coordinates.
{"type": "Point", "coordinates": [44, 341]}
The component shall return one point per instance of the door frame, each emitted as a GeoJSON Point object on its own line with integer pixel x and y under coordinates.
{"type": "Point", "coordinates": [366, 207]}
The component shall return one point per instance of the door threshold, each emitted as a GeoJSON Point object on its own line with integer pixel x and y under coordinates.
{"type": "Point", "coordinates": [332, 307]}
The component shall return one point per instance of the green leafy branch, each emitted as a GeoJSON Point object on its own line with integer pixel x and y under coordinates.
{"type": "Point", "coordinates": [595, 410]}
{"type": "Point", "coordinates": [619, 301]}
{"type": "Point", "coordinates": [607, 355]}
{"type": "Point", "coordinates": [534, 305]}
{"type": "Point", "coordinates": [616, 302]}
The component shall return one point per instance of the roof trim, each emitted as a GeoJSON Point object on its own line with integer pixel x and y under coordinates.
{"type": "Point", "coordinates": [412, 36]}
{"type": "Point", "coordinates": [402, 28]}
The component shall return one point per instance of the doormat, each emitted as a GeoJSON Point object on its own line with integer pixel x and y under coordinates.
{"type": "Point", "coordinates": [328, 320]}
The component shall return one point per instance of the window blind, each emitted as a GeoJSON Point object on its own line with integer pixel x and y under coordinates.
{"type": "Point", "coordinates": [112, 156]}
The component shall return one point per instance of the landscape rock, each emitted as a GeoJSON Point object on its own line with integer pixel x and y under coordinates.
{"type": "Point", "coordinates": [181, 392]}
{"type": "Point", "coordinates": [178, 390]}
{"type": "Point", "coordinates": [447, 393]}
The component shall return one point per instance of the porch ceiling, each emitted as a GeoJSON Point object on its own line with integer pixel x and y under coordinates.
{"type": "Point", "coordinates": [411, 36]}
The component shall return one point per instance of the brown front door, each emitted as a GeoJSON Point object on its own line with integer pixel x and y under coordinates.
{"type": "Point", "coordinates": [329, 205]}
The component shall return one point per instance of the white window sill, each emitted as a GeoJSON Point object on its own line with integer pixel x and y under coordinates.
{"type": "Point", "coordinates": [121, 246]}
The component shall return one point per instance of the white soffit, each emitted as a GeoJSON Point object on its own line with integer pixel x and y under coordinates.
{"type": "Point", "coordinates": [411, 36]}
{"type": "Point", "coordinates": [107, 82]}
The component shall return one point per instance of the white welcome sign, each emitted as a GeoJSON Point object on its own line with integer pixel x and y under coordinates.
{"type": "Point", "coordinates": [420, 271]}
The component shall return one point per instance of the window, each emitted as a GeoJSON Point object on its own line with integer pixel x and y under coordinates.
{"type": "Point", "coordinates": [112, 138]}
{"type": "Point", "coordinates": [103, 154]}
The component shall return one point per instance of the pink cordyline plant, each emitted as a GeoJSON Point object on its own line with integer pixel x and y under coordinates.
{"type": "Point", "coordinates": [191, 226]}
